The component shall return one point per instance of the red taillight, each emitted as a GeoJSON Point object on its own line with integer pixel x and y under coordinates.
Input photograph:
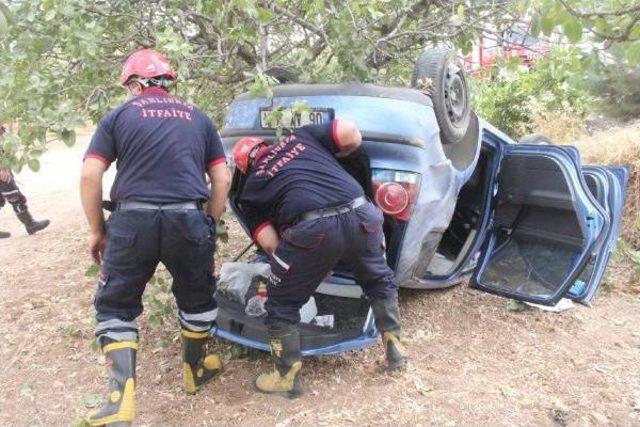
{"type": "Point", "coordinates": [395, 192]}
{"type": "Point", "coordinates": [392, 198]}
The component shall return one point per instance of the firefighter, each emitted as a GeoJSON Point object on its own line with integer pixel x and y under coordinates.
{"type": "Point", "coordinates": [9, 192]}
{"type": "Point", "coordinates": [308, 213]}
{"type": "Point", "coordinates": [163, 147]}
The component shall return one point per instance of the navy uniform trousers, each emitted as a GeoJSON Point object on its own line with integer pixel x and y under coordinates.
{"type": "Point", "coordinates": [10, 192]}
{"type": "Point", "coordinates": [137, 240]}
{"type": "Point", "coordinates": [309, 250]}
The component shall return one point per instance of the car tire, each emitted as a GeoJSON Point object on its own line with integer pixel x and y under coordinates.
{"type": "Point", "coordinates": [535, 139]}
{"type": "Point", "coordinates": [440, 74]}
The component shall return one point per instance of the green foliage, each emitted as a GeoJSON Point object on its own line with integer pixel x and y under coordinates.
{"type": "Point", "coordinates": [516, 306]}
{"type": "Point", "coordinates": [94, 345]}
{"type": "Point", "coordinates": [222, 231]}
{"type": "Point", "coordinates": [616, 88]}
{"type": "Point", "coordinates": [7, 16]}
{"type": "Point", "coordinates": [4, 25]}
{"type": "Point", "coordinates": [92, 270]}
{"type": "Point", "coordinates": [512, 101]}
{"type": "Point", "coordinates": [607, 22]}
{"type": "Point", "coordinates": [505, 103]}
{"type": "Point", "coordinates": [6, 19]}
{"type": "Point", "coordinates": [281, 118]}
{"type": "Point", "coordinates": [158, 299]}
{"type": "Point", "coordinates": [61, 59]}
{"type": "Point", "coordinates": [90, 400]}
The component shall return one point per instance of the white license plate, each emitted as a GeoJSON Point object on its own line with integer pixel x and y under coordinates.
{"type": "Point", "coordinates": [288, 119]}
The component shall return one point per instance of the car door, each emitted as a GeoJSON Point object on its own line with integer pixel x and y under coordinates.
{"type": "Point", "coordinates": [607, 184]}
{"type": "Point", "coordinates": [545, 229]}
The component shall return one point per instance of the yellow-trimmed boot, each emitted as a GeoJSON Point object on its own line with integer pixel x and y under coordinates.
{"type": "Point", "coordinates": [198, 367]}
{"type": "Point", "coordinates": [120, 408]}
{"type": "Point", "coordinates": [395, 351]}
{"type": "Point", "coordinates": [387, 316]}
{"type": "Point", "coordinates": [285, 351]}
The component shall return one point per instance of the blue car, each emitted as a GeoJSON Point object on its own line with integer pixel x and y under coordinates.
{"type": "Point", "coordinates": [462, 201]}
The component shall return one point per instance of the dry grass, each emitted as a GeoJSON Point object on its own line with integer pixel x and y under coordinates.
{"type": "Point", "coordinates": [561, 128]}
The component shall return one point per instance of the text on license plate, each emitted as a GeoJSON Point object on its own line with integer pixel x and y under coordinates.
{"type": "Point", "coordinates": [271, 119]}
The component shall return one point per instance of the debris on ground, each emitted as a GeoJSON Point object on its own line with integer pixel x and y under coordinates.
{"type": "Point", "coordinates": [563, 305]}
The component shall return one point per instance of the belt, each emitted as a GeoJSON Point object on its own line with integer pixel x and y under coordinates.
{"type": "Point", "coordinates": [332, 210]}
{"type": "Point", "coordinates": [126, 205]}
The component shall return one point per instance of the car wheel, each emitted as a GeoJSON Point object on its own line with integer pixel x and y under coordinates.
{"type": "Point", "coordinates": [535, 139]}
{"type": "Point", "coordinates": [440, 74]}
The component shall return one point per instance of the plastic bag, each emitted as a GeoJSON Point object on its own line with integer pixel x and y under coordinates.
{"type": "Point", "coordinates": [324, 321]}
{"type": "Point", "coordinates": [308, 311]}
{"type": "Point", "coordinates": [255, 306]}
{"type": "Point", "coordinates": [235, 278]}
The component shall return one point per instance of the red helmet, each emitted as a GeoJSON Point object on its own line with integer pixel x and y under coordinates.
{"type": "Point", "coordinates": [242, 150]}
{"type": "Point", "coordinates": [146, 63]}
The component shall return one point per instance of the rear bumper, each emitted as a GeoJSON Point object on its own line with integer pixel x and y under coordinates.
{"type": "Point", "coordinates": [353, 344]}
{"type": "Point", "coordinates": [356, 332]}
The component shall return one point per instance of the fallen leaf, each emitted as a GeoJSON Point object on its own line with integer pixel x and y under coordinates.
{"type": "Point", "coordinates": [424, 389]}
{"type": "Point", "coordinates": [91, 400]}
{"type": "Point", "coordinates": [26, 390]}
{"type": "Point", "coordinates": [508, 392]}
{"type": "Point", "coordinates": [516, 306]}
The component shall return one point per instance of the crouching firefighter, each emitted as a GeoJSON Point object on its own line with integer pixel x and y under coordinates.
{"type": "Point", "coordinates": [298, 188]}
{"type": "Point", "coordinates": [163, 147]}
{"type": "Point", "coordinates": [9, 192]}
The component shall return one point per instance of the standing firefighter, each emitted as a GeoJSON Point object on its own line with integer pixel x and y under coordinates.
{"type": "Point", "coordinates": [298, 187]}
{"type": "Point", "coordinates": [9, 192]}
{"type": "Point", "coordinates": [163, 147]}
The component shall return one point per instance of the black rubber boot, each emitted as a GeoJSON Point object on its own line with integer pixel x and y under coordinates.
{"type": "Point", "coordinates": [387, 315]}
{"type": "Point", "coordinates": [120, 408]}
{"type": "Point", "coordinates": [198, 366]}
{"type": "Point", "coordinates": [4, 235]}
{"type": "Point", "coordinates": [284, 340]}
{"type": "Point", "coordinates": [29, 223]}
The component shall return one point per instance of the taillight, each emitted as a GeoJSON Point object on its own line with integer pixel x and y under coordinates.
{"type": "Point", "coordinates": [395, 192]}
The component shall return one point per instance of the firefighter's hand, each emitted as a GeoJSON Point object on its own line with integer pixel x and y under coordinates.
{"type": "Point", "coordinates": [97, 243]}
{"type": "Point", "coordinates": [5, 175]}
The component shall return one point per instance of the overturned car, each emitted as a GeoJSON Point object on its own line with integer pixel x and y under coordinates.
{"type": "Point", "coordinates": [460, 198]}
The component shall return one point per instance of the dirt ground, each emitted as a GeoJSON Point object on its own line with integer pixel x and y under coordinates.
{"type": "Point", "coordinates": [473, 361]}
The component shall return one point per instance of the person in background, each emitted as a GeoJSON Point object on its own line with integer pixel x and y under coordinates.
{"type": "Point", "coordinates": [9, 192]}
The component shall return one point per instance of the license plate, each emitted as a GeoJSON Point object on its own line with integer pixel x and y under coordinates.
{"type": "Point", "coordinates": [272, 119]}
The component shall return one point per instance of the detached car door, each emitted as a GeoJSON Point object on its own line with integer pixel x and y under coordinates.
{"type": "Point", "coordinates": [548, 231]}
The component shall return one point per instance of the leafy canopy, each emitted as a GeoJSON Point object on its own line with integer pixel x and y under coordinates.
{"type": "Point", "coordinates": [61, 58]}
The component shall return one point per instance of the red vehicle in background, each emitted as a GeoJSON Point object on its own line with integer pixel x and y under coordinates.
{"type": "Point", "coordinates": [489, 50]}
